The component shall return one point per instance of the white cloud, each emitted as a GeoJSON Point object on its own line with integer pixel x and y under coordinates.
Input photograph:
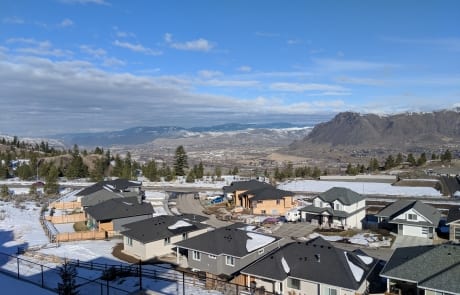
{"type": "Point", "coordinates": [13, 20]}
{"type": "Point", "coordinates": [293, 41]}
{"type": "Point", "coordinates": [137, 48]}
{"type": "Point", "coordinates": [42, 48]}
{"type": "Point", "coordinates": [361, 81]}
{"type": "Point", "coordinates": [99, 2]}
{"type": "Point", "coordinates": [193, 45]}
{"type": "Point", "coordinates": [451, 44]}
{"type": "Point", "coordinates": [123, 34]}
{"type": "Point", "coordinates": [208, 74]}
{"type": "Point", "coordinates": [245, 69]}
{"type": "Point", "coordinates": [339, 65]}
{"type": "Point", "coordinates": [230, 83]}
{"type": "Point", "coordinates": [113, 62]}
{"type": "Point", "coordinates": [95, 52]}
{"type": "Point", "coordinates": [302, 87]}
{"type": "Point", "coordinates": [66, 23]}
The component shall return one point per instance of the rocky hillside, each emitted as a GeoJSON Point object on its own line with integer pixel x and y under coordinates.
{"type": "Point", "coordinates": [405, 130]}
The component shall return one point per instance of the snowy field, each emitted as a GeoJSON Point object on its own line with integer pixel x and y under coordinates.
{"type": "Point", "coordinates": [13, 286]}
{"type": "Point", "coordinates": [365, 188]}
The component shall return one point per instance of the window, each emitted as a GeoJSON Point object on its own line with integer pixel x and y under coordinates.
{"type": "Point", "coordinates": [263, 211]}
{"type": "Point", "coordinates": [167, 241]}
{"type": "Point", "coordinates": [337, 206]}
{"type": "Point", "coordinates": [411, 216]}
{"type": "Point", "coordinates": [261, 251]}
{"type": "Point", "coordinates": [278, 202]}
{"type": "Point", "coordinates": [184, 236]}
{"type": "Point", "coordinates": [230, 260]}
{"type": "Point", "coordinates": [129, 241]}
{"type": "Point", "coordinates": [329, 291]}
{"type": "Point", "coordinates": [196, 255]}
{"type": "Point", "coordinates": [293, 283]}
{"type": "Point", "coordinates": [212, 256]}
{"type": "Point", "coordinates": [457, 234]}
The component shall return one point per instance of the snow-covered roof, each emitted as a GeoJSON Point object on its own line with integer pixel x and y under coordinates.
{"type": "Point", "coordinates": [179, 223]}
{"type": "Point", "coordinates": [356, 270]}
{"type": "Point", "coordinates": [257, 241]}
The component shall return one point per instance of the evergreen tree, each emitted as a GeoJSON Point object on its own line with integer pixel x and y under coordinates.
{"type": "Point", "coordinates": [316, 172]}
{"type": "Point", "coordinates": [51, 181]}
{"type": "Point", "coordinates": [422, 160]}
{"type": "Point", "coordinates": [447, 156]}
{"type": "Point", "coordinates": [190, 177]}
{"type": "Point", "coordinates": [218, 172]}
{"type": "Point", "coordinates": [235, 171]}
{"type": "Point", "coordinates": [373, 165]}
{"type": "Point", "coordinates": [24, 172]}
{"type": "Point", "coordinates": [200, 171]}
{"type": "Point", "coordinates": [411, 159]}
{"type": "Point", "coordinates": [433, 156]}
{"type": "Point", "coordinates": [68, 285]}
{"type": "Point", "coordinates": [389, 162]}
{"type": "Point", "coordinates": [399, 159]}
{"type": "Point", "coordinates": [97, 174]}
{"type": "Point", "coordinates": [150, 171]}
{"type": "Point", "coordinates": [127, 167]}
{"type": "Point", "coordinates": [180, 161]}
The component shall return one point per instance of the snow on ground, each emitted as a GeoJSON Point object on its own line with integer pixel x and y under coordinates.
{"type": "Point", "coordinates": [364, 239]}
{"type": "Point", "coordinates": [154, 195]}
{"type": "Point", "coordinates": [65, 227]}
{"type": "Point", "coordinates": [366, 188]}
{"type": "Point", "coordinates": [14, 286]}
{"type": "Point", "coordinates": [84, 250]}
{"type": "Point", "coordinates": [25, 225]}
{"type": "Point", "coordinates": [19, 190]}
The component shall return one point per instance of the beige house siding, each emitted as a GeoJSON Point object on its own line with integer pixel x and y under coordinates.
{"type": "Point", "coordinates": [155, 248]}
{"type": "Point", "coordinates": [355, 219]}
{"type": "Point", "coordinates": [271, 207]}
{"type": "Point", "coordinates": [313, 288]}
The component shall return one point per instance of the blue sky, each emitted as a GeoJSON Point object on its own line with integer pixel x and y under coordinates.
{"type": "Point", "coordinates": [91, 65]}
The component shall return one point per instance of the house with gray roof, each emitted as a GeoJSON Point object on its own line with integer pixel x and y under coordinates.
{"type": "Point", "coordinates": [109, 189]}
{"type": "Point", "coordinates": [337, 207]}
{"type": "Point", "coordinates": [314, 267]}
{"type": "Point", "coordinates": [111, 215]}
{"type": "Point", "coordinates": [429, 270]}
{"type": "Point", "coordinates": [268, 200]}
{"type": "Point", "coordinates": [453, 221]}
{"type": "Point", "coordinates": [223, 252]}
{"type": "Point", "coordinates": [154, 237]}
{"type": "Point", "coordinates": [410, 218]}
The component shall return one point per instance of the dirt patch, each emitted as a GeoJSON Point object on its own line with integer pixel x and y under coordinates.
{"type": "Point", "coordinates": [117, 251]}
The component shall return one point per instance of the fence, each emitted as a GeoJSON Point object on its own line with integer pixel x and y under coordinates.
{"type": "Point", "coordinates": [69, 218]}
{"type": "Point", "coordinates": [65, 205]}
{"type": "Point", "coordinates": [112, 278]}
{"type": "Point", "coordinates": [83, 235]}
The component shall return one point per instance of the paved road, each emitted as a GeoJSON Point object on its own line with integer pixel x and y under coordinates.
{"type": "Point", "coordinates": [187, 204]}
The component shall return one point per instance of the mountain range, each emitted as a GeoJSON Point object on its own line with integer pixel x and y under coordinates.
{"type": "Point", "coordinates": [404, 131]}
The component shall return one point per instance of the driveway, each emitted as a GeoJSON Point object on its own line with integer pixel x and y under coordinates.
{"type": "Point", "coordinates": [409, 241]}
{"type": "Point", "coordinates": [293, 230]}
{"type": "Point", "coordinates": [186, 203]}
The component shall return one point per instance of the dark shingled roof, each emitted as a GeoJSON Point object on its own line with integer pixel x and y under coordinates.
{"type": "Point", "coordinates": [434, 267]}
{"type": "Point", "coordinates": [244, 186]}
{"type": "Point", "coordinates": [393, 210]}
{"type": "Point", "coordinates": [315, 260]}
{"type": "Point", "coordinates": [226, 240]}
{"type": "Point", "coordinates": [157, 228]}
{"type": "Point", "coordinates": [117, 185]}
{"type": "Point", "coordinates": [344, 195]}
{"type": "Point", "coordinates": [454, 214]}
{"type": "Point", "coordinates": [119, 208]}
{"type": "Point", "coordinates": [267, 193]}
{"type": "Point", "coordinates": [330, 211]}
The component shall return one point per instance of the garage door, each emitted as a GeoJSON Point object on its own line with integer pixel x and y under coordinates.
{"type": "Point", "coordinates": [416, 231]}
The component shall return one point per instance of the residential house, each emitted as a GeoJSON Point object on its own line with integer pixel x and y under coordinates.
{"type": "Point", "coordinates": [233, 191]}
{"type": "Point", "coordinates": [429, 270]}
{"type": "Point", "coordinates": [410, 218]}
{"type": "Point", "coordinates": [314, 267]}
{"type": "Point", "coordinates": [155, 236]}
{"type": "Point", "coordinates": [111, 215]}
{"type": "Point", "coordinates": [268, 200]}
{"type": "Point", "coordinates": [453, 221]}
{"type": "Point", "coordinates": [106, 190]}
{"type": "Point", "coordinates": [223, 252]}
{"type": "Point", "coordinates": [337, 207]}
